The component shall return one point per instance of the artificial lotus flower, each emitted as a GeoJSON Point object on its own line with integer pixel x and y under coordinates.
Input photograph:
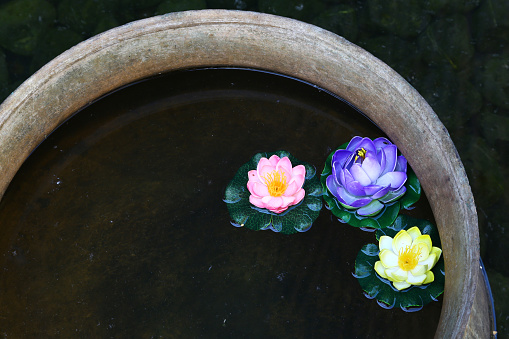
{"type": "Point", "coordinates": [367, 174]}
{"type": "Point", "coordinates": [407, 259]}
{"type": "Point", "coordinates": [275, 185]}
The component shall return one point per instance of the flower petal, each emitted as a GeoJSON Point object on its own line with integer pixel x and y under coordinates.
{"type": "Point", "coordinates": [414, 232]}
{"type": "Point", "coordinates": [437, 252]}
{"type": "Point", "coordinates": [291, 189]}
{"type": "Point", "coordinates": [370, 209]}
{"type": "Point", "coordinates": [419, 270]}
{"type": "Point", "coordinates": [263, 171]}
{"type": "Point", "coordinates": [401, 241]}
{"type": "Point", "coordinates": [350, 200]}
{"type": "Point", "coordinates": [299, 170]}
{"type": "Point", "coordinates": [385, 243]}
{"type": "Point", "coordinates": [388, 258]}
{"type": "Point", "coordinates": [430, 261]}
{"type": "Point", "coordinates": [371, 166]}
{"type": "Point", "coordinates": [341, 156]}
{"type": "Point", "coordinates": [372, 189]}
{"type": "Point", "coordinates": [253, 176]}
{"type": "Point", "coordinates": [381, 193]}
{"type": "Point", "coordinates": [256, 201]}
{"type": "Point", "coordinates": [332, 185]}
{"type": "Point", "coordinates": [393, 179]}
{"type": "Point", "coordinates": [360, 175]}
{"type": "Point", "coordinates": [274, 203]}
{"type": "Point", "coordinates": [299, 196]}
{"type": "Point", "coordinates": [399, 275]}
{"type": "Point", "coordinates": [274, 160]}
{"type": "Point", "coordinates": [287, 201]}
{"type": "Point", "coordinates": [423, 242]}
{"type": "Point", "coordinates": [381, 143]}
{"type": "Point", "coordinates": [389, 272]}
{"type": "Point", "coordinates": [367, 144]}
{"type": "Point", "coordinates": [430, 277]}
{"type": "Point", "coordinates": [285, 163]}
{"type": "Point", "coordinates": [355, 188]}
{"type": "Point", "coordinates": [258, 189]}
{"type": "Point", "coordinates": [380, 269]}
{"type": "Point", "coordinates": [401, 164]}
{"type": "Point", "coordinates": [394, 195]}
{"type": "Point", "coordinates": [352, 145]}
{"type": "Point", "coordinates": [391, 152]}
{"type": "Point", "coordinates": [345, 177]}
{"type": "Point", "coordinates": [415, 280]}
{"type": "Point", "coordinates": [401, 285]}
{"type": "Point", "coordinates": [298, 179]}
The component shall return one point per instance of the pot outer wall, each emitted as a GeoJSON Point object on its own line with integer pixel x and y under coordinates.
{"type": "Point", "coordinates": [207, 38]}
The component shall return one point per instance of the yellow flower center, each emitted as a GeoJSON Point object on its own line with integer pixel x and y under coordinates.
{"type": "Point", "coordinates": [276, 183]}
{"type": "Point", "coordinates": [409, 258]}
{"type": "Point", "coordinates": [360, 153]}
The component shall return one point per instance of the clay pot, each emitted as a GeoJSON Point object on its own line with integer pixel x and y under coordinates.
{"type": "Point", "coordinates": [194, 39]}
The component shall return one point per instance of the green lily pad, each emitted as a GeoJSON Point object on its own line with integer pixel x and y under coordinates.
{"type": "Point", "coordinates": [387, 214]}
{"type": "Point", "coordinates": [297, 218]}
{"type": "Point", "coordinates": [374, 286]}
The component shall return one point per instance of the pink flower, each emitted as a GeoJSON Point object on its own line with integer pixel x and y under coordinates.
{"type": "Point", "coordinates": [275, 185]}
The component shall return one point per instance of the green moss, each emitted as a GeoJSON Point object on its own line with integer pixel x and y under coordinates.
{"type": "Point", "coordinates": [180, 5]}
{"type": "Point", "coordinates": [22, 23]}
{"type": "Point", "coordinates": [402, 18]}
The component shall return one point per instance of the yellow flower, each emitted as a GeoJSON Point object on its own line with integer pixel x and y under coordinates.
{"type": "Point", "coordinates": [407, 259]}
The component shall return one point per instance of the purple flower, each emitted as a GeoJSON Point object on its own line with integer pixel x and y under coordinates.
{"type": "Point", "coordinates": [367, 174]}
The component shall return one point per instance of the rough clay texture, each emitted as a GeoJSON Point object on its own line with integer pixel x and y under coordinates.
{"type": "Point", "coordinates": [229, 38]}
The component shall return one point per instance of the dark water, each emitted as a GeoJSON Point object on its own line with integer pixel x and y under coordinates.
{"type": "Point", "coordinates": [115, 226]}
